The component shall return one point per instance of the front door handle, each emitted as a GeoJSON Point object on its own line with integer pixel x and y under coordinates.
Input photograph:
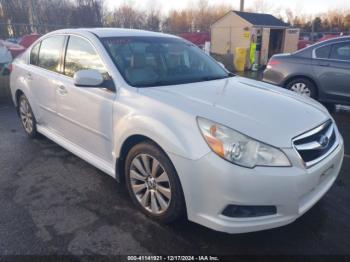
{"type": "Point", "coordinates": [62, 90]}
{"type": "Point", "coordinates": [29, 76]}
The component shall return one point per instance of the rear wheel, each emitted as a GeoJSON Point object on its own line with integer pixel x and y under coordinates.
{"type": "Point", "coordinates": [303, 86]}
{"type": "Point", "coordinates": [153, 183]}
{"type": "Point", "coordinates": [27, 116]}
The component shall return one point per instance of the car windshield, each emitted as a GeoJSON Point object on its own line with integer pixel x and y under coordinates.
{"type": "Point", "coordinates": [159, 61]}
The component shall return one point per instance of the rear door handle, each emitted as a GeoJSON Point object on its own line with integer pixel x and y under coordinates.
{"type": "Point", "coordinates": [62, 90]}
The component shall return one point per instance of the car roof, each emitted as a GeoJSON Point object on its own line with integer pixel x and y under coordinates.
{"type": "Point", "coordinates": [335, 40]}
{"type": "Point", "coordinates": [113, 32]}
{"type": "Point", "coordinates": [307, 51]}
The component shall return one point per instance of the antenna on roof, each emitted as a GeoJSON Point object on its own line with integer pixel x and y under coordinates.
{"type": "Point", "coordinates": [241, 8]}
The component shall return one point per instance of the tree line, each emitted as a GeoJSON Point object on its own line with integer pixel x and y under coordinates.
{"type": "Point", "coordinates": [19, 17]}
{"type": "Point", "coordinates": [331, 21]}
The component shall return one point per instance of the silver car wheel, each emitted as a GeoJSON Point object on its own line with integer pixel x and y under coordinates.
{"type": "Point", "coordinates": [26, 116]}
{"type": "Point", "coordinates": [301, 88]}
{"type": "Point", "coordinates": [150, 184]}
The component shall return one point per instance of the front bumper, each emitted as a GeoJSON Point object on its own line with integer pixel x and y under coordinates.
{"type": "Point", "coordinates": [210, 184]}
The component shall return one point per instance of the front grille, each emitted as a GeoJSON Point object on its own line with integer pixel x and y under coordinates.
{"type": "Point", "coordinates": [316, 144]}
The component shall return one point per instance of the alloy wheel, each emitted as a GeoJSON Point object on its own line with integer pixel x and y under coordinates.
{"type": "Point", "coordinates": [302, 89]}
{"type": "Point", "coordinates": [26, 116]}
{"type": "Point", "coordinates": [150, 184]}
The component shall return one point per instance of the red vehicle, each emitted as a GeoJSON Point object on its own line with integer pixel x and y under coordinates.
{"type": "Point", "coordinates": [327, 37]}
{"type": "Point", "coordinates": [303, 43]}
{"type": "Point", "coordinates": [198, 39]}
{"type": "Point", "coordinates": [15, 49]}
{"type": "Point", "coordinates": [22, 45]}
{"type": "Point", "coordinates": [27, 40]}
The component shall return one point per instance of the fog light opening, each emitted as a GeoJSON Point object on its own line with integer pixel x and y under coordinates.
{"type": "Point", "coordinates": [249, 211]}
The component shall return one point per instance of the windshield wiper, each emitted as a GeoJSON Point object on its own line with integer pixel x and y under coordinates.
{"type": "Point", "coordinates": [183, 81]}
{"type": "Point", "coordinates": [210, 78]}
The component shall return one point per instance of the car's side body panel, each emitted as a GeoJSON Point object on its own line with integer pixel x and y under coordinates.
{"type": "Point", "coordinates": [137, 114]}
{"type": "Point", "coordinates": [289, 68]}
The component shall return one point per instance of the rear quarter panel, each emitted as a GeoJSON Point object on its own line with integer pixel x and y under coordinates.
{"type": "Point", "coordinates": [290, 67]}
{"type": "Point", "coordinates": [19, 82]}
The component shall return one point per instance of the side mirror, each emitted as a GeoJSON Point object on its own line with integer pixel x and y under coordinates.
{"type": "Point", "coordinates": [88, 78]}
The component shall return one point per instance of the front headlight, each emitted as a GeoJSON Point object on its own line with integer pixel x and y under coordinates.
{"type": "Point", "coordinates": [238, 148]}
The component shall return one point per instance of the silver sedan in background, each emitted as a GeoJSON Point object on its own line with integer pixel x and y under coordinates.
{"type": "Point", "coordinates": [320, 71]}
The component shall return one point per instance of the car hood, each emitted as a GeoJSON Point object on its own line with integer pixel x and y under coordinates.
{"type": "Point", "coordinates": [262, 111]}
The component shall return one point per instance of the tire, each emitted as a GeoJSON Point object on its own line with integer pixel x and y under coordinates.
{"type": "Point", "coordinates": [157, 194]}
{"type": "Point", "coordinates": [303, 86]}
{"type": "Point", "coordinates": [27, 117]}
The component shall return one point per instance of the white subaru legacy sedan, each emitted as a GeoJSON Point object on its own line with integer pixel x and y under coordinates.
{"type": "Point", "coordinates": [186, 137]}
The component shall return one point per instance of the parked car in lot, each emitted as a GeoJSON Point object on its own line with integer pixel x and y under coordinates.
{"type": "Point", "coordinates": [303, 43]}
{"type": "Point", "coordinates": [320, 71]}
{"type": "Point", "coordinates": [184, 135]}
{"type": "Point", "coordinates": [15, 49]}
{"type": "Point", "coordinates": [12, 40]}
{"type": "Point", "coordinates": [27, 40]}
{"type": "Point", "coordinates": [5, 57]}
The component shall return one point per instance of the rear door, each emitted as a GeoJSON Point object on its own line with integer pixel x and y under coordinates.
{"type": "Point", "coordinates": [332, 69]}
{"type": "Point", "coordinates": [42, 76]}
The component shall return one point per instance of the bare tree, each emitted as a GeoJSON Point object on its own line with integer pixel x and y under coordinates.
{"type": "Point", "coordinates": [87, 13]}
{"type": "Point", "coordinates": [262, 6]}
{"type": "Point", "coordinates": [153, 17]}
{"type": "Point", "coordinates": [15, 13]}
{"type": "Point", "coordinates": [20, 17]}
{"type": "Point", "coordinates": [127, 16]}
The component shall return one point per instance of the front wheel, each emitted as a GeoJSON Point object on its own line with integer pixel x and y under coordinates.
{"type": "Point", "coordinates": [153, 183]}
{"type": "Point", "coordinates": [303, 86]}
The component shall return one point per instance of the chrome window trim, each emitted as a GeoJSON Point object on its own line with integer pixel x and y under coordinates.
{"type": "Point", "coordinates": [312, 132]}
{"type": "Point", "coordinates": [330, 59]}
{"type": "Point", "coordinates": [64, 51]}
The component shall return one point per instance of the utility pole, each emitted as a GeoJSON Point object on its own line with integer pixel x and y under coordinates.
{"type": "Point", "coordinates": [241, 8]}
{"type": "Point", "coordinates": [35, 23]}
{"type": "Point", "coordinates": [313, 30]}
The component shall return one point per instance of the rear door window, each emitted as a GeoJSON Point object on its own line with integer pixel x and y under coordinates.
{"type": "Point", "coordinates": [323, 52]}
{"type": "Point", "coordinates": [50, 53]}
{"type": "Point", "coordinates": [34, 54]}
{"type": "Point", "coordinates": [341, 51]}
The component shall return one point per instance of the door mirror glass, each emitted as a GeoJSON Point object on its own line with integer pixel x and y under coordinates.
{"type": "Point", "coordinates": [88, 78]}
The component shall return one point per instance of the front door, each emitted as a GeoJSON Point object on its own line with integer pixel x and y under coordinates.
{"type": "Point", "coordinates": [85, 114]}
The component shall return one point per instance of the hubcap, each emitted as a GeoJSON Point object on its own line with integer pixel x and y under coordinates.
{"type": "Point", "coordinates": [150, 184]}
{"type": "Point", "coordinates": [301, 88]}
{"type": "Point", "coordinates": [26, 116]}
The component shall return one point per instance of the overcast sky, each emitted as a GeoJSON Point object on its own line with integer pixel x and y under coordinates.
{"type": "Point", "coordinates": [305, 6]}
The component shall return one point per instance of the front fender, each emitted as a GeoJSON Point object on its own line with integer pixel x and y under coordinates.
{"type": "Point", "coordinates": [182, 139]}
